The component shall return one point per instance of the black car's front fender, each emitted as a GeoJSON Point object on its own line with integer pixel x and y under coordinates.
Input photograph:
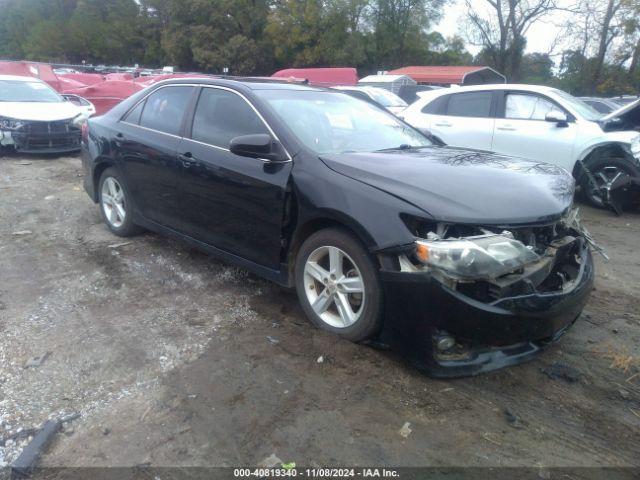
{"type": "Point", "coordinates": [375, 216]}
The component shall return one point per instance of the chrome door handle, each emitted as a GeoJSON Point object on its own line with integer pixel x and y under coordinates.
{"type": "Point", "coordinates": [507, 128]}
{"type": "Point", "coordinates": [443, 124]}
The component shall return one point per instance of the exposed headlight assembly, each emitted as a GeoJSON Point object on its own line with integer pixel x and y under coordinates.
{"type": "Point", "coordinates": [10, 124]}
{"type": "Point", "coordinates": [474, 258]}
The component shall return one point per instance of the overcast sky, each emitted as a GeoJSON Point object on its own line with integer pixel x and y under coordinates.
{"type": "Point", "coordinates": [540, 38]}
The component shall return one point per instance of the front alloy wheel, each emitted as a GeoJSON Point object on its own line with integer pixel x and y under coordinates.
{"type": "Point", "coordinates": [334, 286]}
{"type": "Point", "coordinates": [338, 285]}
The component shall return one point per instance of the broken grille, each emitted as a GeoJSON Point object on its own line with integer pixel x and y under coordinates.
{"type": "Point", "coordinates": [46, 128]}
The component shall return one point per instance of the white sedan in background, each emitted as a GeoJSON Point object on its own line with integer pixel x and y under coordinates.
{"type": "Point", "coordinates": [86, 107]}
{"type": "Point", "coordinates": [380, 96]}
{"type": "Point", "coordinates": [543, 124]}
{"type": "Point", "coordinates": [34, 118]}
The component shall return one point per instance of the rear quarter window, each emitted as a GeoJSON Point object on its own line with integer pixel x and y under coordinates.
{"type": "Point", "coordinates": [436, 107]}
{"type": "Point", "coordinates": [472, 104]}
{"type": "Point", "coordinates": [134, 115]}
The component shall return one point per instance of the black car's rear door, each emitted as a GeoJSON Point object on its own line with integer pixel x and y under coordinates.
{"type": "Point", "coordinates": [231, 202]}
{"type": "Point", "coordinates": [147, 140]}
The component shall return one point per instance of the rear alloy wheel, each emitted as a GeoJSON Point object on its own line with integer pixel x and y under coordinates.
{"type": "Point", "coordinates": [115, 205]}
{"type": "Point", "coordinates": [338, 285]}
{"type": "Point", "coordinates": [113, 202]}
{"type": "Point", "coordinates": [605, 174]}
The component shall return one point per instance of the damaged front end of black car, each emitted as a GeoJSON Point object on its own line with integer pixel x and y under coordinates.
{"type": "Point", "coordinates": [499, 269]}
{"type": "Point", "coordinates": [469, 299]}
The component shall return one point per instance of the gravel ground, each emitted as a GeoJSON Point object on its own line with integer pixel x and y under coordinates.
{"type": "Point", "coordinates": [174, 358]}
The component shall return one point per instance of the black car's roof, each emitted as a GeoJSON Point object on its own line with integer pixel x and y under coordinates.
{"type": "Point", "coordinates": [248, 82]}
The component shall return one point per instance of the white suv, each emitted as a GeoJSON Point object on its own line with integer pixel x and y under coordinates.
{"type": "Point", "coordinates": [539, 123]}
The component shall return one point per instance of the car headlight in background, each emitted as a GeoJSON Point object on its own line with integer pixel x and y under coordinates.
{"type": "Point", "coordinates": [635, 146]}
{"type": "Point", "coordinates": [484, 256]}
{"type": "Point", "coordinates": [10, 124]}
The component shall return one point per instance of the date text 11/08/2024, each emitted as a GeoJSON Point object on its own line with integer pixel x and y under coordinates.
{"type": "Point", "coordinates": [315, 472]}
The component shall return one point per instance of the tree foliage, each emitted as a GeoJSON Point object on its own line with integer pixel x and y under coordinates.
{"type": "Point", "coordinates": [246, 36]}
{"type": "Point", "coordinates": [605, 58]}
{"type": "Point", "coordinates": [500, 27]}
{"type": "Point", "coordinates": [260, 36]}
{"type": "Point", "coordinates": [603, 37]}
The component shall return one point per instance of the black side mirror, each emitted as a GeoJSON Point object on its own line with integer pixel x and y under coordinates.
{"type": "Point", "coordinates": [260, 146]}
{"type": "Point", "coordinates": [558, 117]}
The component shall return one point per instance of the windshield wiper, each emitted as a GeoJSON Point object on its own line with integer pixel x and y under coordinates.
{"type": "Point", "coordinates": [404, 146]}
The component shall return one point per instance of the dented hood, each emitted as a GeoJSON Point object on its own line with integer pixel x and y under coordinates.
{"type": "Point", "coordinates": [36, 111]}
{"type": "Point", "coordinates": [462, 185]}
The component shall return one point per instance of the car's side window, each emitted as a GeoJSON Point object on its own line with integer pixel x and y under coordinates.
{"type": "Point", "coordinates": [134, 115]}
{"type": "Point", "coordinates": [436, 107]}
{"type": "Point", "coordinates": [521, 106]}
{"type": "Point", "coordinates": [222, 115]}
{"type": "Point", "coordinates": [164, 109]}
{"type": "Point", "coordinates": [473, 104]}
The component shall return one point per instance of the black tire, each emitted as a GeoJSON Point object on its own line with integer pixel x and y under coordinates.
{"type": "Point", "coordinates": [125, 228]}
{"type": "Point", "coordinates": [606, 165]}
{"type": "Point", "coordinates": [369, 322]}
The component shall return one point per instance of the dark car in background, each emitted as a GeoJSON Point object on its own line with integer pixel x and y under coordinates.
{"type": "Point", "coordinates": [410, 93]}
{"type": "Point", "coordinates": [601, 105]}
{"type": "Point", "coordinates": [623, 100]}
{"type": "Point", "coordinates": [377, 96]}
{"type": "Point", "coordinates": [462, 260]}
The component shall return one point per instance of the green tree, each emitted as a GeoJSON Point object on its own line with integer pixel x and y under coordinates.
{"type": "Point", "coordinates": [20, 18]}
{"type": "Point", "coordinates": [214, 34]}
{"type": "Point", "coordinates": [400, 30]}
{"type": "Point", "coordinates": [46, 41]}
{"type": "Point", "coordinates": [537, 68]}
{"type": "Point", "coordinates": [451, 51]}
{"type": "Point", "coordinates": [317, 33]}
{"type": "Point", "coordinates": [106, 31]}
{"type": "Point", "coordinates": [502, 32]}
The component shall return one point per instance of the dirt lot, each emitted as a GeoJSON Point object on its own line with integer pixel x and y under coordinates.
{"type": "Point", "coordinates": [174, 358]}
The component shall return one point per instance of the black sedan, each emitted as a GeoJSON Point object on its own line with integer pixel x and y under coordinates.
{"type": "Point", "coordinates": [463, 260]}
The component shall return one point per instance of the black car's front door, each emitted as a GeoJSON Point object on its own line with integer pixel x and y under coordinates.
{"type": "Point", "coordinates": [147, 140]}
{"type": "Point", "coordinates": [234, 203]}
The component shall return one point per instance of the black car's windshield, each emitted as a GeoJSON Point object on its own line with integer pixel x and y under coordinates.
{"type": "Point", "coordinates": [328, 122]}
{"type": "Point", "coordinates": [18, 91]}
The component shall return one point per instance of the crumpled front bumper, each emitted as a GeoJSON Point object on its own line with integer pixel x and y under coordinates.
{"type": "Point", "coordinates": [43, 137]}
{"type": "Point", "coordinates": [494, 335]}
